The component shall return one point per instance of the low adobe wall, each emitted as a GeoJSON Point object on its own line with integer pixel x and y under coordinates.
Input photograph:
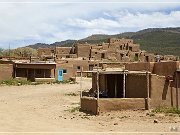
{"type": "Point", "coordinates": [165, 68]}
{"type": "Point", "coordinates": [162, 94]}
{"type": "Point", "coordinates": [6, 71]}
{"type": "Point", "coordinates": [146, 66]}
{"type": "Point", "coordinates": [109, 104]}
{"type": "Point", "coordinates": [89, 104]}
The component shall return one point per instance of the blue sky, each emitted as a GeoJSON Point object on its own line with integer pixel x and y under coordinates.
{"type": "Point", "coordinates": [25, 22]}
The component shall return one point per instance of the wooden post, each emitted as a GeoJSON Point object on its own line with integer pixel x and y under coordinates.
{"type": "Point", "coordinates": [34, 74]}
{"type": "Point", "coordinates": [81, 78]}
{"type": "Point", "coordinates": [15, 73]}
{"type": "Point", "coordinates": [124, 84]}
{"type": "Point", "coordinates": [171, 95]}
{"type": "Point", "coordinates": [147, 79]}
{"type": "Point", "coordinates": [177, 96]}
{"type": "Point", "coordinates": [54, 73]}
{"type": "Point", "coordinates": [97, 92]}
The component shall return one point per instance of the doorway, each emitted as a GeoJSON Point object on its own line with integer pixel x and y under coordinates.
{"type": "Point", "coordinates": [60, 75]}
{"type": "Point", "coordinates": [115, 85]}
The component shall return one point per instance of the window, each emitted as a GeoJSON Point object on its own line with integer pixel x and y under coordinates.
{"type": "Point", "coordinates": [64, 71]}
{"type": "Point", "coordinates": [78, 67]}
{"type": "Point", "coordinates": [102, 55]}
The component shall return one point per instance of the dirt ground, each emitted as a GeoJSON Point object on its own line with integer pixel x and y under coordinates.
{"type": "Point", "coordinates": [53, 109]}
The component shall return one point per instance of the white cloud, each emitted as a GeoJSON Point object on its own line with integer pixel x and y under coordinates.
{"type": "Point", "coordinates": [22, 23]}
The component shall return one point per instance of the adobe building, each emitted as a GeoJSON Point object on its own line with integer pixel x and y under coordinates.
{"type": "Point", "coordinates": [35, 71]}
{"type": "Point", "coordinates": [122, 50]}
{"type": "Point", "coordinates": [70, 61]}
{"type": "Point", "coordinates": [151, 85]}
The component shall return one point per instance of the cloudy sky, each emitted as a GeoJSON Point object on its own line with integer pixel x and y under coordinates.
{"type": "Point", "coordinates": [24, 22]}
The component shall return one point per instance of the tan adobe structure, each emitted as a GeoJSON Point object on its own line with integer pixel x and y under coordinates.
{"type": "Point", "coordinates": [124, 50]}
{"type": "Point", "coordinates": [70, 61]}
{"type": "Point", "coordinates": [144, 86]}
{"type": "Point", "coordinates": [35, 71]}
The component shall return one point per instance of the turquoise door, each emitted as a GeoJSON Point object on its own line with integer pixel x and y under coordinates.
{"type": "Point", "coordinates": [60, 75]}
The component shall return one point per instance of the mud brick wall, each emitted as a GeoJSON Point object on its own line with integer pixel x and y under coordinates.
{"type": "Point", "coordinates": [6, 71]}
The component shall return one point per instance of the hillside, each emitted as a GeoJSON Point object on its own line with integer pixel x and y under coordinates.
{"type": "Point", "coordinates": [156, 40]}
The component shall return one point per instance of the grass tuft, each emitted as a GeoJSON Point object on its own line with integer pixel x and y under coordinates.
{"type": "Point", "coordinates": [164, 109]}
{"type": "Point", "coordinates": [15, 82]}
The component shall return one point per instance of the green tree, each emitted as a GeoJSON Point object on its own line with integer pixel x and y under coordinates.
{"type": "Point", "coordinates": [25, 52]}
{"type": "Point", "coordinates": [1, 52]}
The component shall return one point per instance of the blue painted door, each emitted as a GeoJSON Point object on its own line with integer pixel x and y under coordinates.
{"type": "Point", "coordinates": [60, 75]}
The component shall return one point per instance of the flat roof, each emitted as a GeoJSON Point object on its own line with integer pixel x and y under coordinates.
{"type": "Point", "coordinates": [116, 72]}
{"type": "Point", "coordinates": [35, 63]}
{"type": "Point", "coordinates": [122, 72]}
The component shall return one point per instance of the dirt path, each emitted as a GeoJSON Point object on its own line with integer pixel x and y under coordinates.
{"type": "Point", "coordinates": [50, 108]}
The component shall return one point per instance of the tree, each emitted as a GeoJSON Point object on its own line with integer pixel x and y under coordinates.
{"type": "Point", "coordinates": [25, 52]}
{"type": "Point", "coordinates": [1, 51]}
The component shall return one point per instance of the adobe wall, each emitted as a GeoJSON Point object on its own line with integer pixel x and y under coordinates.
{"type": "Point", "coordinates": [44, 51]}
{"type": "Point", "coordinates": [79, 64]}
{"type": "Point", "coordinates": [146, 66]}
{"type": "Point", "coordinates": [63, 50]}
{"type": "Point", "coordinates": [165, 68]}
{"type": "Point", "coordinates": [134, 47]}
{"type": "Point", "coordinates": [69, 68]}
{"type": "Point", "coordinates": [114, 104]}
{"type": "Point", "coordinates": [112, 65]}
{"type": "Point", "coordinates": [82, 50]}
{"type": "Point", "coordinates": [89, 104]}
{"type": "Point", "coordinates": [161, 92]}
{"type": "Point", "coordinates": [60, 56]}
{"type": "Point", "coordinates": [136, 86]}
{"type": "Point", "coordinates": [6, 71]}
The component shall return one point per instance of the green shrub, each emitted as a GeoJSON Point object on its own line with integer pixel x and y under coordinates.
{"type": "Point", "coordinates": [164, 109]}
{"type": "Point", "coordinates": [15, 82]}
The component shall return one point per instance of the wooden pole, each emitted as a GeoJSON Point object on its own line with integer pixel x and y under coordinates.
{"type": "Point", "coordinates": [81, 82]}
{"type": "Point", "coordinates": [15, 73]}
{"type": "Point", "coordinates": [81, 85]}
{"type": "Point", "coordinates": [171, 93]}
{"type": "Point", "coordinates": [97, 92]}
{"type": "Point", "coordinates": [177, 96]}
{"type": "Point", "coordinates": [147, 78]}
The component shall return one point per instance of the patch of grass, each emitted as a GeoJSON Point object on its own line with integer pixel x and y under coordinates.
{"type": "Point", "coordinates": [71, 94]}
{"type": "Point", "coordinates": [15, 82]}
{"type": "Point", "coordinates": [164, 109]}
{"type": "Point", "coordinates": [64, 82]}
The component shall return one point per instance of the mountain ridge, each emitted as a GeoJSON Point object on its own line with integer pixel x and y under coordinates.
{"type": "Point", "coordinates": [155, 40]}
